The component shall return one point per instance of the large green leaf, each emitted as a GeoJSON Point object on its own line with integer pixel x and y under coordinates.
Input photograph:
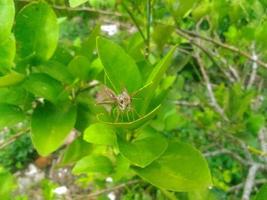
{"type": "Point", "coordinates": [93, 164]}
{"type": "Point", "coordinates": [7, 14]}
{"type": "Point", "coordinates": [155, 77]}
{"type": "Point", "coordinates": [75, 3]}
{"type": "Point", "coordinates": [42, 85]}
{"type": "Point", "coordinates": [262, 194]}
{"type": "Point", "coordinates": [37, 31]}
{"type": "Point", "coordinates": [119, 67]}
{"type": "Point", "coordinates": [10, 115]}
{"type": "Point", "coordinates": [99, 133]}
{"type": "Point", "coordinates": [51, 125]}
{"type": "Point", "coordinates": [144, 149]}
{"type": "Point", "coordinates": [7, 52]}
{"type": "Point", "coordinates": [11, 79]}
{"type": "Point", "coordinates": [57, 71]}
{"type": "Point", "coordinates": [181, 168]}
{"type": "Point", "coordinates": [75, 151]}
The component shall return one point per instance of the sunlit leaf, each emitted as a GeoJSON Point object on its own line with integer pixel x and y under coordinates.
{"type": "Point", "coordinates": [119, 67]}
{"type": "Point", "coordinates": [11, 79]}
{"type": "Point", "coordinates": [10, 115]}
{"type": "Point", "coordinates": [144, 149]}
{"type": "Point", "coordinates": [181, 168]}
{"type": "Point", "coordinates": [37, 31]}
{"type": "Point", "coordinates": [93, 164]}
{"type": "Point", "coordinates": [76, 3]}
{"type": "Point", "coordinates": [99, 133]}
{"type": "Point", "coordinates": [51, 125]}
{"type": "Point", "coordinates": [7, 14]}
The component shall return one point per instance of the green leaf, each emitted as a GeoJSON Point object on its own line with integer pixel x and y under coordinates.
{"type": "Point", "coordinates": [156, 75]}
{"type": "Point", "coordinates": [57, 71]}
{"type": "Point", "coordinates": [42, 85]}
{"type": "Point", "coordinates": [93, 164]}
{"type": "Point", "coordinates": [11, 79]}
{"type": "Point", "coordinates": [10, 115]}
{"type": "Point", "coordinates": [100, 134]}
{"type": "Point", "coordinates": [181, 7]}
{"type": "Point", "coordinates": [75, 151]}
{"type": "Point", "coordinates": [144, 149]}
{"type": "Point", "coordinates": [89, 44]}
{"type": "Point", "coordinates": [255, 122]}
{"type": "Point", "coordinates": [119, 67]}
{"type": "Point", "coordinates": [7, 183]}
{"type": "Point", "coordinates": [37, 31]}
{"type": "Point", "coordinates": [262, 194]}
{"type": "Point", "coordinates": [7, 52]}
{"type": "Point", "coordinates": [80, 67]}
{"type": "Point", "coordinates": [51, 125]}
{"type": "Point", "coordinates": [181, 168]}
{"type": "Point", "coordinates": [7, 14]}
{"type": "Point", "coordinates": [133, 124]}
{"type": "Point", "coordinates": [75, 3]}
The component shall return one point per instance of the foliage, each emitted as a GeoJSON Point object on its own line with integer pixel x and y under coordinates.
{"type": "Point", "coordinates": [146, 105]}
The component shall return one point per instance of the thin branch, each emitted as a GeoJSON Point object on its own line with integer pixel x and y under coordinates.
{"type": "Point", "coordinates": [248, 186]}
{"type": "Point", "coordinates": [254, 69]}
{"type": "Point", "coordinates": [241, 185]}
{"type": "Point", "coordinates": [134, 21]}
{"type": "Point", "coordinates": [211, 95]}
{"type": "Point", "coordinates": [107, 190]}
{"type": "Point", "coordinates": [81, 9]}
{"type": "Point", "coordinates": [148, 25]}
{"type": "Point", "coordinates": [263, 141]}
{"type": "Point", "coordinates": [13, 138]}
{"type": "Point", "coordinates": [223, 45]}
{"type": "Point", "coordinates": [228, 152]}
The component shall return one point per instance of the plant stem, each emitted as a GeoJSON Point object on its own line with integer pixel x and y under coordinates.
{"type": "Point", "coordinates": [149, 20]}
{"type": "Point", "coordinates": [134, 21]}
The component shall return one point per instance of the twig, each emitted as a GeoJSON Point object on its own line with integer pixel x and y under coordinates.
{"type": "Point", "coordinates": [148, 26]}
{"type": "Point", "coordinates": [134, 21]}
{"type": "Point", "coordinates": [186, 103]}
{"type": "Point", "coordinates": [263, 140]}
{"type": "Point", "coordinates": [248, 186]}
{"type": "Point", "coordinates": [254, 69]}
{"type": "Point", "coordinates": [223, 45]}
{"type": "Point", "coordinates": [211, 95]}
{"type": "Point", "coordinates": [107, 190]}
{"type": "Point", "coordinates": [241, 185]}
{"type": "Point", "coordinates": [81, 9]}
{"type": "Point", "coordinates": [228, 152]}
{"type": "Point", "coordinates": [13, 139]}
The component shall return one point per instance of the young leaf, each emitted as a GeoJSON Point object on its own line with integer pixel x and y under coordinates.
{"type": "Point", "coordinates": [181, 168]}
{"type": "Point", "coordinates": [155, 77]}
{"type": "Point", "coordinates": [99, 133]}
{"type": "Point", "coordinates": [93, 164]}
{"type": "Point", "coordinates": [76, 3]}
{"type": "Point", "coordinates": [7, 14]}
{"type": "Point", "coordinates": [44, 86]}
{"type": "Point", "coordinates": [143, 150]}
{"type": "Point", "coordinates": [37, 31]}
{"type": "Point", "coordinates": [75, 151]}
{"type": "Point", "coordinates": [10, 115]}
{"type": "Point", "coordinates": [119, 67]}
{"type": "Point", "coordinates": [51, 125]}
{"type": "Point", "coordinates": [11, 79]}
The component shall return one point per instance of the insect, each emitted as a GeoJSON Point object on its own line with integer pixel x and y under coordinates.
{"type": "Point", "coordinates": [121, 103]}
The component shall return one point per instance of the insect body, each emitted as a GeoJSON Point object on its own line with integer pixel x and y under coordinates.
{"type": "Point", "coordinates": [122, 103]}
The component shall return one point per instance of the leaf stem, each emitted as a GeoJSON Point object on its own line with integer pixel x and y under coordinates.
{"type": "Point", "coordinates": [148, 27]}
